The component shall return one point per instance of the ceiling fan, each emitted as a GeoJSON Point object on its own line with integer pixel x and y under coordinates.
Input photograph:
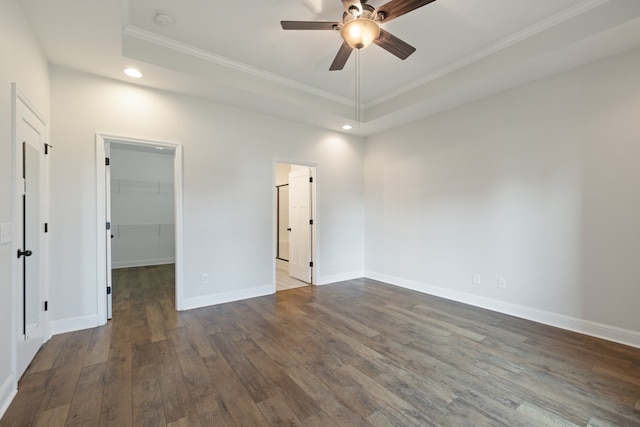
{"type": "Point", "coordinates": [360, 27]}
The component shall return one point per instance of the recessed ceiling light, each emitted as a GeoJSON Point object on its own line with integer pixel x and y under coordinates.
{"type": "Point", "coordinates": [347, 127]}
{"type": "Point", "coordinates": [132, 72]}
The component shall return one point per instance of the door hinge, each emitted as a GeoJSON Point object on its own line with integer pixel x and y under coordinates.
{"type": "Point", "coordinates": [108, 290]}
{"type": "Point", "coordinates": [108, 226]}
{"type": "Point", "coordinates": [46, 306]}
{"type": "Point", "coordinates": [107, 161]}
{"type": "Point", "coordinates": [310, 222]}
{"type": "Point", "coordinates": [46, 227]}
{"type": "Point", "coordinates": [310, 179]}
{"type": "Point", "coordinates": [311, 264]}
{"type": "Point", "coordinates": [46, 148]}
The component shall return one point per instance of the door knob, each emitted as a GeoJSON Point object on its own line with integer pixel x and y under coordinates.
{"type": "Point", "coordinates": [25, 253]}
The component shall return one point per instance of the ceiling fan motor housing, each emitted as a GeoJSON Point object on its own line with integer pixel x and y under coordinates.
{"type": "Point", "coordinates": [367, 13]}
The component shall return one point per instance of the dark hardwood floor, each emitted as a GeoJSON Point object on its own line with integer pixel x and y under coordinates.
{"type": "Point", "coordinates": [355, 353]}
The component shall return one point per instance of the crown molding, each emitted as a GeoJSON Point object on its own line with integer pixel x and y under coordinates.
{"type": "Point", "coordinates": [187, 49]}
{"type": "Point", "coordinates": [537, 28]}
{"type": "Point", "coordinates": [517, 37]}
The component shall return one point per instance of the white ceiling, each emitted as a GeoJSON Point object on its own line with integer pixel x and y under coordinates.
{"type": "Point", "coordinates": [235, 52]}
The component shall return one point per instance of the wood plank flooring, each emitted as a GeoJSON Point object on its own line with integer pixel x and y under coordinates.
{"type": "Point", "coordinates": [356, 353]}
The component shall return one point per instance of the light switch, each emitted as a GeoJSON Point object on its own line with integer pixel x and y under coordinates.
{"type": "Point", "coordinates": [6, 233]}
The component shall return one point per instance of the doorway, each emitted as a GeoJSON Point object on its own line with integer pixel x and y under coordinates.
{"type": "Point", "coordinates": [295, 225]}
{"type": "Point", "coordinates": [140, 208]}
{"type": "Point", "coordinates": [30, 231]}
{"type": "Point", "coordinates": [144, 226]}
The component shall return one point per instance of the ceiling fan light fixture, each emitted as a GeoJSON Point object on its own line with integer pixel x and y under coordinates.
{"type": "Point", "coordinates": [359, 33]}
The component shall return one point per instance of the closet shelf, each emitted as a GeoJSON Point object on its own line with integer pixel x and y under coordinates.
{"type": "Point", "coordinates": [137, 230]}
{"type": "Point", "coordinates": [126, 186]}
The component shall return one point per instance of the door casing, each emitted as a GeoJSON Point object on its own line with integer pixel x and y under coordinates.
{"type": "Point", "coordinates": [108, 230]}
{"type": "Point", "coordinates": [101, 270]}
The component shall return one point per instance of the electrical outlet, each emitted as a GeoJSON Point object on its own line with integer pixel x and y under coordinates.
{"type": "Point", "coordinates": [502, 283]}
{"type": "Point", "coordinates": [205, 279]}
{"type": "Point", "coordinates": [475, 279]}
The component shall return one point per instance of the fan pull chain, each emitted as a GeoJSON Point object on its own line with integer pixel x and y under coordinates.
{"type": "Point", "coordinates": [357, 100]}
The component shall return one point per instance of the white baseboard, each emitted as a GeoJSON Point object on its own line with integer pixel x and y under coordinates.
{"type": "Point", "coordinates": [73, 324]}
{"type": "Point", "coordinates": [333, 278]}
{"type": "Point", "coordinates": [207, 300]}
{"type": "Point", "coordinates": [8, 391]}
{"type": "Point", "coordinates": [141, 262]}
{"type": "Point", "coordinates": [599, 330]}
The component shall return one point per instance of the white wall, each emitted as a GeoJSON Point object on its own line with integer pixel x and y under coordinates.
{"type": "Point", "coordinates": [538, 185]}
{"type": "Point", "coordinates": [228, 188]}
{"type": "Point", "coordinates": [142, 204]}
{"type": "Point", "coordinates": [21, 61]}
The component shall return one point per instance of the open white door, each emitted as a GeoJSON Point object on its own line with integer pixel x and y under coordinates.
{"type": "Point", "coordinates": [107, 213]}
{"type": "Point", "coordinates": [30, 133]}
{"type": "Point", "coordinates": [300, 224]}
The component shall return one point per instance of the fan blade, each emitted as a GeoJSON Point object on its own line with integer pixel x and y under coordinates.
{"type": "Point", "coordinates": [396, 8]}
{"type": "Point", "coordinates": [309, 25]}
{"type": "Point", "coordinates": [341, 57]}
{"type": "Point", "coordinates": [394, 45]}
{"type": "Point", "coordinates": [349, 4]}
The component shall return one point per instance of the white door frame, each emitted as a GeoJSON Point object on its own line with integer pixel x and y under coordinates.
{"type": "Point", "coordinates": [314, 214]}
{"type": "Point", "coordinates": [101, 139]}
{"type": "Point", "coordinates": [18, 95]}
{"type": "Point", "coordinates": [108, 242]}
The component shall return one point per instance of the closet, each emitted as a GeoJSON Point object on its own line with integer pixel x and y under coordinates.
{"type": "Point", "coordinates": [142, 206]}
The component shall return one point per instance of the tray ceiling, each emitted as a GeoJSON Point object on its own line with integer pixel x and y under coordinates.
{"type": "Point", "coordinates": [236, 52]}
